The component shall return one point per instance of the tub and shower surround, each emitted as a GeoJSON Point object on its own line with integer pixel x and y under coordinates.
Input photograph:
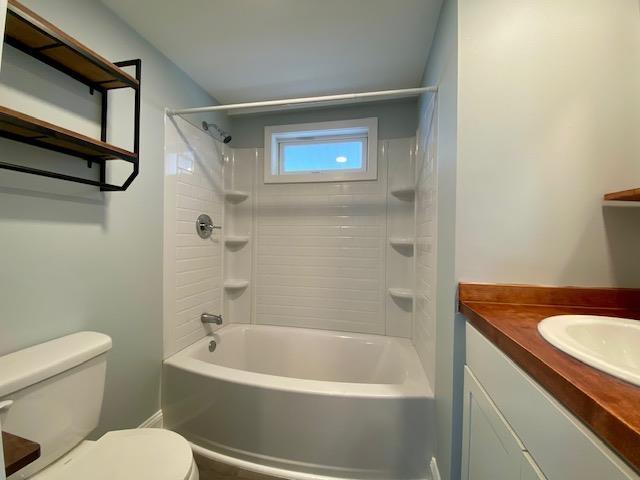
{"type": "Point", "coordinates": [299, 402]}
{"type": "Point", "coordinates": [287, 389]}
{"type": "Point", "coordinates": [328, 255]}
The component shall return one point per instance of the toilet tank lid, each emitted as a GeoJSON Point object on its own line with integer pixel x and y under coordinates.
{"type": "Point", "coordinates": [31, 365]}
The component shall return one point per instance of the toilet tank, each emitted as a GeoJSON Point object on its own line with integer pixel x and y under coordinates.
{"type": "Point", "coordinates": [56, 388]}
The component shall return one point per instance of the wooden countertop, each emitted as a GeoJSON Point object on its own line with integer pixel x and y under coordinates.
{"type": "Point", "coordinates": [18, 452]}
{"type": "Point", "coordinates": [508, 315]}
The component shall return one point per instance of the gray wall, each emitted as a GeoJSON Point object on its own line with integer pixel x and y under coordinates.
{"type": "Point", "coordinates": [442, 70]}
{"type": "Point", "coordinates": [73, 258]}
{"type": "Point", "coordinates": [396, 119]}
{"type": "Point", "coordinates": [532, 108]}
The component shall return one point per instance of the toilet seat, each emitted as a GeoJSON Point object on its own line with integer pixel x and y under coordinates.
{"type": "Point", "coordinates": [144, 453]}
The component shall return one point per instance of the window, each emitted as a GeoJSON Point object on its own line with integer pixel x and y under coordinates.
{"type": "Point", "coordinates": [322, 152]}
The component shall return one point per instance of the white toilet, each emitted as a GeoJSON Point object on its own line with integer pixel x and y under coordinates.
{"type": "Point", "coordinates": [56, 389]}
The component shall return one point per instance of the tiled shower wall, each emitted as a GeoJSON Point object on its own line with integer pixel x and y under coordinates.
{"type": "Point", "coordinates": [192, 266]}
{"type": "Point", "coordinates": [320, 250]}
{"type": "Point", "coordinates": [320, 253]}
{"type": "Point", "coordinates": [424, 323]}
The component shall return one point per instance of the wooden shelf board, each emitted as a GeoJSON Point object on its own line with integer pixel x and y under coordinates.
{"type": "Point", "coordinates": [27, 129]}
{"type": "Point", "coordinates": [18, 452]}
{"type": "Point", "coordinates": [29, 32]}
{"type": "Point", "coordinates": [632, 195]}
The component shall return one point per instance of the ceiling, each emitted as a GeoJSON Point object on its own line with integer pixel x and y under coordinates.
{"type": "Point", "coordinates": [249, 50]}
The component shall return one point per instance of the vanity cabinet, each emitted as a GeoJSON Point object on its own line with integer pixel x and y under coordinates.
{"type": "Point", "coordinates": [513, 429]}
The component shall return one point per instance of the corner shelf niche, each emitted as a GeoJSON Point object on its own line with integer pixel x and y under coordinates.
{"type": "Point", "coordinates": [236, 196]}
{"type": "Point", "coordinates": [402, 242]}
{"type": "Point", "coordinates": [402, 293]}
{"type": "Point", "coordinates": [236, 240]}
{"type": "Point", "coordinates": [405, 192]}
{"type": "Point", "coordinates": [35, 36]}
{"type": "Point", "coordinates": [235, 284]}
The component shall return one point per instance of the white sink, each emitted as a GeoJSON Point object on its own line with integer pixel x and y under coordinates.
{"type": "Point", "coordinates": [609, 344]}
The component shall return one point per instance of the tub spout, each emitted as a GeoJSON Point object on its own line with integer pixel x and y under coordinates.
{"type": "Point", "coordinates": [211, 318]}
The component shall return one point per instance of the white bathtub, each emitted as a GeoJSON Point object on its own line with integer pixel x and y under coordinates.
{"type": "Point", "coordinates": [302, 403]}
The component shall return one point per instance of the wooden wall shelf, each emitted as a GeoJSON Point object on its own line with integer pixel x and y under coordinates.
{"type": "Point", "coordinates": [35, 36]}
{"type": "Point", "coordinates": [632, 195]}
{"type": "Point", "coordinates": [25, 128]}
{"type": "Point", "coordinates": [18, 452]}
{"type": "Point", "coordinates": [29, 32]}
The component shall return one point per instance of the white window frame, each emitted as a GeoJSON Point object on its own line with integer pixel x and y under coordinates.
{"type": "Point", "coordinates": [277, 136]}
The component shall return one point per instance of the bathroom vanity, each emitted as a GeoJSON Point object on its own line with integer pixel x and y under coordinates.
{"type": "Point", "coordinates": [532, 411]}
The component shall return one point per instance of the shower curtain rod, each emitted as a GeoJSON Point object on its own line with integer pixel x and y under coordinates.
{"type": "Point", "coordinates": [406, 92]}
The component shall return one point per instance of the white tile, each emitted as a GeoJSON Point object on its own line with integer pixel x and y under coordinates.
{"type": "Point", "coordinates": [424, 318]}
{"type": "Point", "coordinates": [320, 254]}
{"type": "Point", "coordinates": [193, 266]}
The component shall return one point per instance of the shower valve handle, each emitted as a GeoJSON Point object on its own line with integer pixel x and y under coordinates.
{"type": "Point", "coordinates": [205, 226]}
{"type": "Point", "coordinates": [209, 226]}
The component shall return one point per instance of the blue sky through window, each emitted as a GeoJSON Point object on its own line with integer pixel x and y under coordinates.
{"type": "Point", "coordinates": [339, 155]}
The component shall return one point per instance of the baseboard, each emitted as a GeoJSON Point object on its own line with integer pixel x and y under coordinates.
{"type": "Point", "coordinates": [154, 421]}
{"type": "Point", "coordinates": [435, 473]}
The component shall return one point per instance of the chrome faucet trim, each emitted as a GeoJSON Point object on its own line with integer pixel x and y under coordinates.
{"type": "Point", "coordinates": [211, 318]}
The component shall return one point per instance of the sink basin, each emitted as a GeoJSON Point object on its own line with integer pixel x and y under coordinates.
{"type": "Point", "coordinates": [609, 344]}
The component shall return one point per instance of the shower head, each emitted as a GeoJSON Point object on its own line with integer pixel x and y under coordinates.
{"type": "Point", "coordinates": [226, 138]}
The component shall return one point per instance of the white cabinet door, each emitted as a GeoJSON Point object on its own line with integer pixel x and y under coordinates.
{"type": "Point", "coordinates": [491, 451]}
{"type": "Point", "coordinates": [3, 16]}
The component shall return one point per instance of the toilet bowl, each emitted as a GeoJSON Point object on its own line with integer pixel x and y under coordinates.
{"type": "Point", "coordinates": [145, 453]}
{"type": "Point", "coordinates": [54, 391]}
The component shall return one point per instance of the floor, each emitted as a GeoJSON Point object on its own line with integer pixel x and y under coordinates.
{"type": "Point", "coordinates": [212, 470]}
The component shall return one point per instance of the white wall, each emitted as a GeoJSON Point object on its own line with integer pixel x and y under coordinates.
{"type": "Point", "coordinates": [192, 266]}
{"type": "Point", "coordinates": [549, 117]}
{"type": "Point", "coordinates": [74, 258]}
